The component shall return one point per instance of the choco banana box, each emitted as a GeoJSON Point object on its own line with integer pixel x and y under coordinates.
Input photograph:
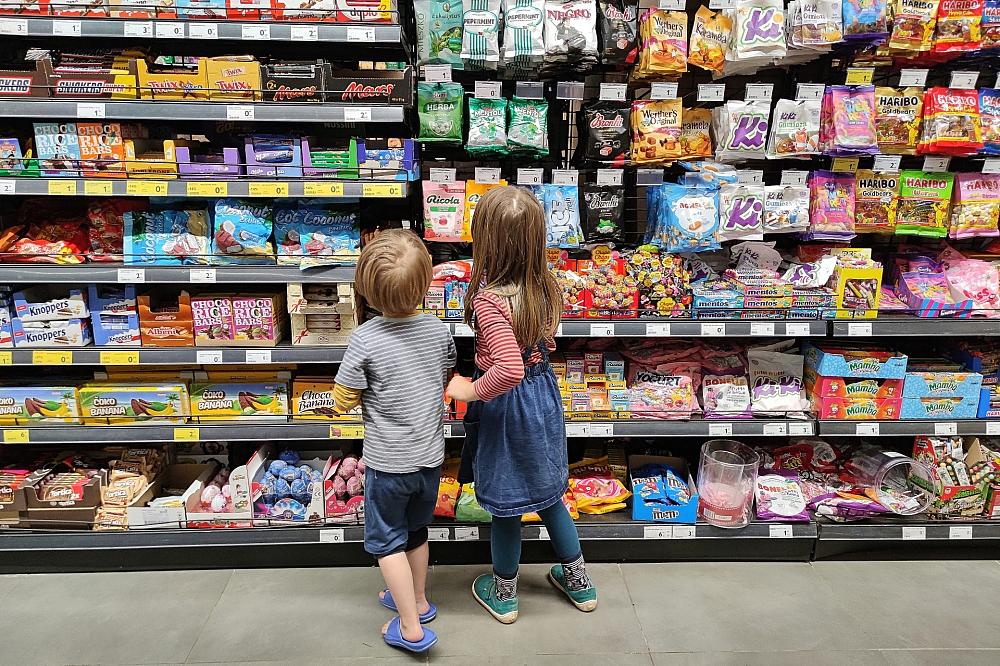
{"type": "Point", "coordinates": [312, 399]}
{"type": "Point", "coordinates": [20, 405]}
{"type": "Point", "coordinates": [129, 404]}
{"type": "Point", "coordinates": [222, 400]}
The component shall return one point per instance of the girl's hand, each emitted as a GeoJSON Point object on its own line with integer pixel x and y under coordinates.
{"type": "Point", "coordinates": [460, 388]}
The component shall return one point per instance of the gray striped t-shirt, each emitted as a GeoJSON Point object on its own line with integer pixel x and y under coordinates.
{"type": "Point", "coordinates": [400, 366]}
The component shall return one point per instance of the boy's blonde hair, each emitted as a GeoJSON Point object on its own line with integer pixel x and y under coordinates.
{"type": "Point", "coordinates": [508, 259]}
{"type": "Point", "coordinates": [394, 272]}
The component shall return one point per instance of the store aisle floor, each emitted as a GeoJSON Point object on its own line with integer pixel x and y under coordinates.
{"type": "Point", "coordinates": [687, 613]}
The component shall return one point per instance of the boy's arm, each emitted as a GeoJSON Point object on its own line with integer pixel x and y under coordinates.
{"type": "Point", "coordinates": [351, 377]}
{"type": "Point", "coordinates": [345, 399]}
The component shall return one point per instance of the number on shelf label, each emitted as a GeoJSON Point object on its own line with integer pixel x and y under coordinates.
{"type": "Point", "coordinates": [305, 33]}
{"type": "Point", "coordinates": [602, 330]}
{"type": "Point", "coordinates": [16, 436]}
{"type": "Point", "coordinates": [912, 77]}
{"type": "Point", "coordinates": [866, 429]}
{"type": "Point", "coordinates": [886, 164]}
{"type": "Point", "coordinates": [991, 166]}
{"type": "Point", "coordinates": [187, 434]}
{"type": "Point", "coordinates": [657, 532]}
{"type": "Point", "coordinates": [845, 164]}
{"type": "Point", "coordinates": [361, 35]}
{"type": "Point", "coordinates": [438, 534]}
{"type": "Point", "coordinates": [466, 533]}
{"type": "Point", "coordinates": [602, 429]}
{"type": "Point", "coordinates": [677, 5]}
{"type": "Point", "coordinates": [720, 429]}
{"type": "Point", "coordinates": [376, 190]}
{"type": "Point", "coordinates": [131, 275]}
{"type": "Point", "coordinates": [437, 73]}
{"type": "Point", "coordinates": [713, 330]}
{"type": "Point", "coordinates": [323, 189]}
{"type": "Point", "coordinates": [13, 26]}
{"type": "Point", "coordinates": [722, 4]}
{"type": "Point", "coordinates": [800, 429]}
{"type": "Point", "coordinates": [98, 188]}
{"type": "Point", "coordinates": [779, 531]}
{"type": "Point", "coordinates": [268, 189]}
{"type": "Point", "coordinates": [529, 176]}
{"type": "Point", "coordinates": [960, 532]}
{"type": "Point", "coordinates": [203, 31]}
{"type": "Point", "coordinates": [684, 532]}
{"type": "Point", "coordinates": [936, 164]}
{"type": "Point", "coordinates": [796, 329]}
{"type": "Point", "coordinates": [658, 329]}
{"type": "Point", "coordinates": [565, 176]}
{"type": "Point", "coordinates": [347, 432]}
{"type": "Point", "coordinates": [663, 90]}
{"type": "Point", "coordinates": [165, 30]}
{"type": "Point", "coordinates": [775, 429]}
{"type": "Point", "coordinates": [543, 533]}
{"type": "Point", "coordinates": [208, 357]}
{"type": "Point", "coordinates": [258, 356]}
{"type": "Point", "coordinates": [6, 358]}
{"type": "Point", "coordinates": [7, 186]}
{"type": "Point", "coordinates": [239, 112]}
{"type": "Point", "coordinates": [331, 535]}
{"type": "Point", "coordinates": [357, 114]}
{"type": "Point", "coordinates": [120, 357]}
{"type": "Point", "coordinates": [762, 328]}
{"type": "Point", "coordinates": [912, 533]}
{"type": "Point", "coordinates": [255, 31]}
{"type": "Point", "coordinates": [809, 91]}
{"type": "Point", "coordinates": [577, 430]}
{"type": "Point", "coordinates": [146, 188]}
{"type": "Point", "coordinates": [759, 92]}
{"type": "Point", "coordinates": [66, 28]}
{"type": "Point", "coordinates": [464, 331]}
{"type": "Point", "coordinates": [447, 430]}
{"type": "Point", "coordinates": [794, 177]}
{"type": "Point", "coordinates": [487, 175]}
{"type": "Point", "coordinates": [62, 187]}
{"type": "Point", "coordinates": [750, 177]}
{"type": "Point", "coordinates": [993, 427]}
{"type": "Point", "coordinates": [610, 176]}
{"type": "Point", "coordinates": [859, 76]}
{"type": "Point", "coordinates": [139, 29]}
{"type": "Point", "coordinates": [613, 92]}
{"type": "Point", "coordinates": [859, 329]}
{"type": "Point", "coordinates": [964, 79]}
{"type": "Point", "coordinates": [207, 189]}
{"type": "Point", "coordinates": [711, 92]}
{"type": "Point", "coordinates": [946, 428]}
{"type": "Point", "coordinates": [51, 357]}
{"type": "Point", "coordinates": [487, 90]}
{"type": "Point", "coordinates": [202, 275]}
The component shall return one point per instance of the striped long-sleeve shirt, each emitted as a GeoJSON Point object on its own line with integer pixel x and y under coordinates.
{"type": "Point", "coordinates": [497, 353]}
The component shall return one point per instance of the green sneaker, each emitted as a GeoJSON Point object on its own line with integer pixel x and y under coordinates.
{"type": "Point", "coordinates": [485, 591]}
{"type": "Point", "coordinates": [585, 599]}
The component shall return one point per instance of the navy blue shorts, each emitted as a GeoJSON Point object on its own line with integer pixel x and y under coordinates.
{"type": "Point", "coordinates": [398, 509]}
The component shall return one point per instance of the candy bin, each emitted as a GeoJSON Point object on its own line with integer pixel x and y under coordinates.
{"type": "Point", "coordinates": [901, 484]}
{"type": "Point", "coordinates": [288, 490]}
{"type": "Point", "coordinates": [727, 474]}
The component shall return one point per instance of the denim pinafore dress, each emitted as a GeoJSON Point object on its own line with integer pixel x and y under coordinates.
{"type": "Point", "coordinates": [519, 458]}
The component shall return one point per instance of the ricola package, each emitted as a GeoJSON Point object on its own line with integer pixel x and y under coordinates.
{"type": "Point", "coordinates": [604, 212]}
{"type": "Point", "coordinates": [524, 30]}
{"type": "Point", "coordinates": [440, 107]}
{"type": "Point", "coordinates": [444, 208]}
{"type": "Point", "coordinates": [618, 31]}
{"type": "Point", "coordinates": [242, 232]}
{"type": "Point", "coordinates": [439, 32]}
{"type": "Point", "coordinates": [481, 32]}
{"type": "Point", "coordinates": [487, 127]}
{"type": "Point", "coordinates": [604, 128]}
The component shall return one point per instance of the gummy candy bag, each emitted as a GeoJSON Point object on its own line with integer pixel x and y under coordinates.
{"type": "Point", "coordinates": [618, 31]}
{"type": "Point", "coordinates": [865, 19]}
{"type": "Point", "coordinates": [990, 29]}
{"type": "Point", "coordinates": [923, 207]}
{"type": "Point", "coordinates": [481, 32]}
{"type": "Point", "coordinates": [440, 108]}
{"type": "Point", "coordinates": [562, 215]}
{"type": "Point", "coordinates": [831, 205]}
{"type": "Point", "coordinates": [725, 396]}
{"type": "Point", "coordinates": [951, 122]}
{"type": "Point", "coordinates": [709, 39]}
{"type": "Point", "coordinates": [487, 126]}
{"type": "Point", "coordinates": [439, 32]}
{"type": "Point", "coordinates": [821, 22]}
{"type": "Point", "coordinates": [242, 232]}
{"type": "Point", "coordinates": [689, 218]}
{"type": "Point", "coordinates": [779, 497]}
{"type": "Point", "coordinates": [524, 30]}
{"type": "Point", "coordinates": [786, 208]}
{"type": "Point", "coordinates": [663, 38]}
{"type": "Point", "coordinates": [741, 209]}
{"type": "Point", "coordinates": [656, 130]}
{"type": "Point", "coordinates": [776, 386]}
{"type": "Point", "coordinates": [875, 199]}
{"type": "Point", "coordinates": [795, 128]}
{"type": "Point", "coordinates": [913, 24]}
{"type": "Point", "coordinates": [852, 109]}
{"type": "Point", "coordinates": [989, 112]}
{"type": "Point", "coordinates": [898, 114]}
{"type": "Point", "coordinates": [444, 208]}
{"type": "Point", "coordinates": [528, 126]}
{"type": "Point", "coordinates": [976, 209]}
{"type": "Point", "coordinates": [958, 26]}
{"type": "Point", "coordinates": [604, 212]}
{"type": "Point", "coordinates": [605, 128]}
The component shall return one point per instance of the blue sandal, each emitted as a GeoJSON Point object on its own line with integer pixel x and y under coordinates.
{"type": "Point", "coordinates": [387, 601]}
{"type": "Point", "coordinates": [394, 637]}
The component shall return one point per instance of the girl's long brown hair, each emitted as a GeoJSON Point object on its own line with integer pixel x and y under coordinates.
{"type": "Point", "coordinates": [508, 259]}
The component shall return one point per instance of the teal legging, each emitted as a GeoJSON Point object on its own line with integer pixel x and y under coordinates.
{"type": "Point", "coordinates": [505, 539]}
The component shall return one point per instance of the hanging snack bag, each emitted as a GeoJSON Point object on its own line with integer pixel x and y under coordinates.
{"type": "Point", "coordinates": [663, 35]}
{"type": "Point", "coordinates": [741, 130]}
{"type": "Point", "coordinates": [656, 130]}
{"type": "Point", "coordinates": [913, 25]}
{"type": "Point", "coordinates": [990, 29]}
{"type": "Point", "coordinates": [866, 19]}
{"type": "Point", "coordinates": [794, 128]}
{"type": "Point", "coordinates": [924, 198]}
{"type": "Point", "coordinates": [606, 134]}
{"type": "Point", "coordinates": [528, 126]}
{"type": "Point", "coordinates": [759, 30]}
{"type": "Point", "coordinates": [831, 205]}
{"type": "Point", "coordinates": [821, 23]}
{"type": "Point", "coordinates": [524, 30]}
{"type": "Point", "coordinates": [166, 237]}
{"type": "Point", "coordinates": [481, 32]}
{"type": "Point", "coordinates": [952, 126]}
{"type": "Point", "coordinates": [444, 210]}
{"type": "Point", "coordinates": [853, 113]}
{"type": "Point", "coordinates": [741, 210]}
{"type": "Point", "coordinates": [976, 209]}
{"type": "Point", "coordinates": [242, 232]}
{"type": "Point", "coordinates": [958, 26]}
{"type": "Point", "coordinates": [898, 115]}
{"type": "Point", "coordinates": [106, 226]}
{"type": "Point", "coordinates": [487, 127]}
{"type": "Point", "coordinates": [989, 112]}
{"type": "Point", "coordinates": [604, 212]}
{"type": "Point", "coordinates": [467, 509]}
{"type": "Point", "coordinates": [473, 192]}
{"type": "Point", "coordinates": [696, 133]}
{"type": "Point", "coordinates": [875, 197]}
{"type": "Point", "coordinates": [562, 216]}
{"type": "Point", "coordinates": [440, 107]}
{"type": "Point", "coordinates": [330, 234]}
{"type": "Point", "coordinates": [439, 32]}
{"type": "Point", "coordinates": [618, 31]}
{"type": "Point", "coordinates": [709, 39]}
{"type": "Point", "coordinates": [776, 386]}
{"type": "Point", "coordinates": [571, 32]}
{"type": "Point", "coordinates": [689, 218]}
{"type": "Point", "coordinates": [786, 208]}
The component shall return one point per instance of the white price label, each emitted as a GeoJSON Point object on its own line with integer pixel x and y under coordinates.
{"type": "Point", "coordinates": [139, 29]}
{"type": "Point", "coordinates": [529, 176]}
{"type": "Point", "coordinates": [750, 177]}
{"type": "Point", "coordinates": [437, 73]}
{"type": "Point", "coordinates": [794, 177]}
{"type": "Point", "coordinates": [202, 275]}
{"type": "Point", "coordinates": [775, 429]}
{"type": "Point", "coordinates": [305, 33]}
{"type": "Point", "coordinates": [759, 92]}
{"type": "Point", "coordinates": [991, 166]}
{"type": "Point", "coordinates": [720, 429]}
{"type": "Point", "coordinates": [334, 535]}
{"type": "Point", "coordinates": [722, 4]}
{"type": "Point", "coordinates": [543, 533]}
{"type": "Point", "coordinates": [779, 531]}
{"type": "Point", "coordinates": [993, 427]}
{"type": "Point", "coordinates": [762, 328]}
{"type": "Point", "coordinates": [258, 356]}
{"type": "Point", "coordinates": [578, 430]}
{"type": "Point", "coordinates": [658, 329]}
{"type": "Point", "coordinates": [466, 533]}
{"type": "Point", "coordinates": [255, 31]}
{"type": "Point", "coordinates": [648, 176]}
{"type": "Point", "coordinates": [866, 429]}
{"type": "Point", "coordinates": [610, 176]}
{"type": "Point", "coordinates": [66, 28]}
{"type": "Point", "coordinates": [713, 330]}
{"type": "Point", "coordinates": [800, 429]}
{"type": "Point", "coordinates": [447, 430]}
{"type": "Point", "coordinates": [488, 175]}
{"type": "Point", "coordinates": [936, 164]}
{"type": "Point", "coordinates": [946, 428]}
{"type": "Point", "coordinates": [964, 79]}
{"type": "Point", "coordinates": [684, 532]}
{"type": "Point", "coordinates": [914, 533]}
{"type": "Point", "coordinates": [912, 77]}
{"type": "Point", "coordinates": [568, 90]}
{"type": "Point", "coordinates": [796, 329]}
{"type": "Point", "coordinates": [13, 26]}
{"type": "Point", "coordinates": [613, 92]}
{"type": "Point", "coordinates": [809, 91]}
{"type": "Point", "coordinates": [657, 532]}
{"type": "Point", "coordinates": [208, 357]}
{"type": "Point", "coordinates": [602, 430]}
{"type": "Point", "coordinates": [439, 175]}
{"type": "Point", "coordinates": [357, 114]}
{"type": "Point", "coordinates": [711, 92]}
{"type": "Point", "coordinates": [602, 330]}
{"type": "Point", "coordinates": [90, 110]}
{"type": "Point", "coordinates": [361, 34]}
{"type": "Point", "coordinates": [677, 5]}
{"type": "Point", "coordinates": [663, 90]}
{"type": "Point", "coordinates": [559, 331]}
{"type": "Point", "coordinates": [239, 112]}
{"type": "Point", "coordinates": [7, 186]}
{"type": "Point", "coordinates": [886, 164]}
{"type": "Point", "coordinates": [203, 30]}
{"type": "Point", "coordinates": [438, 534]}
{"type": "Point", "coordinates": [565, 176]}
{"type": "Point", "coordinates": [464, 331]}
{"type": "Point", "coordinates": [131, 275]}
{"type": "Point", "coordinates": [859, 329]}
{"type": "Point", "coordinates": [960, 532]}
{"type": "Point", "coordinates": [487, 89]}
{"type": "Point", "coordinates": [169, 30]}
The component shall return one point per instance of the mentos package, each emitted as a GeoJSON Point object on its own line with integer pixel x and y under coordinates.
{"type": "Point", "coordinates": [166, 237]}
{"type": "Point", "coordinates": [242, 232]}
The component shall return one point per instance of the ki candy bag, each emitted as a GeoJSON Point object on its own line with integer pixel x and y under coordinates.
{"type": "Point", "coordinates": [440, 108]}
{"type": "Point", "coordinates": [794, 129]}
{"type": "Point", "coordinates": [606, 133]}
{"type": "Point", "coordinates": [759, 30]}
{"type": "Point", "coordinates": [786, 208]}
{"type": "Point", "coordinates": [487, 127]}
{"type": "Point", "coordinates": [439, 32]}
{"type": "Point", "coordinates": [444, 209]}
{"type": "Point", "coordinates": [741, 130]}
{"type": "Point", "coordinates": [741, 209]}
{"type": "Point", "coordinates": [618, 26]}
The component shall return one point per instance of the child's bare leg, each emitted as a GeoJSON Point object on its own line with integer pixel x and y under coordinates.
{"type": "Point", "coordinates": [399, 579]}
{"type": "Point", "coordinates": [418, 558]}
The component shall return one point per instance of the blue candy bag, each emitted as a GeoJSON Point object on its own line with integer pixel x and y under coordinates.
{"type": "Point", "coordinates": [329, 234]}
{"type": "Point", "coordinates": [989, 110]}
{"type": "Point", "coordinates": [865, 19]}
{"type": "Point", "coordinates": [691, 222]}
{"type": "Point", "coordinates": [562, 216]}
{"type": "Point", "coordinates": [242, 232]}
{"type": "Point", "coordinates": [166, 237]}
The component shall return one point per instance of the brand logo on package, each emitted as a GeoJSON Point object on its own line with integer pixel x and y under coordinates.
{"type": "Point", "coordinates": [866, 366]}
{"type": "Point", "coordinates": [87, 87]}
{"type": "Point", "coordinates": [15, 85]}
{"type": "Point", "coordinates": [357, 90]}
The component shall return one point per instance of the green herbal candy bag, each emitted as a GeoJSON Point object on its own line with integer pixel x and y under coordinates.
{"type": "Point", "coordinates": [440, 108]}
{"type": "Point", "coordinates": [487, 126]}
{"type": "Point", "coordinates": [439, 32]}
{"type": "Point", "coordinates": [528, 126]}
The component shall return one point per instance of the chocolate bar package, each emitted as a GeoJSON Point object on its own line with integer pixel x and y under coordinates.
{"type": "Point", "coordinates": [295, 81]}
{"type": "Point", "coordinates": [388, 86]}
{"type": "Point", "coordinates": [604, 134]}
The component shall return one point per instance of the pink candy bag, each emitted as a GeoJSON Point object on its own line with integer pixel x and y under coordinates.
{"type": "Point", "coordinates": [831, 206]}
{"type": "Point", "coordinates": [979, 281]}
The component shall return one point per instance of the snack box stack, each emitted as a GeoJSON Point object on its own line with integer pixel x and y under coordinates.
{"type": "Point", "coordinates": [132, 403]}
{"type": "Point", "coordinates": [663, 490]}
{"type": "Point", "coordinates": [221, 320]}
{"type": "Point", "coordinates": [389, 159]}
{"type": "Point", "coordinates": [133, 479]}
{"type": "Point", "coordinates": [24, 405]}
{"type": "Point", "coordinates": [854, 381]}
{"type": "Point", "coordinates": [716, 299]}
{"type": "Point", "coordinates": [114, 313]}
{"type": "Point", "coordinates": [966, 477]}
{"type": "Point", "coordinates": [445, 296]}
{"type": "Point", "coordinates": [49, 316]}
{"type": "Point", "coordinates": [321, 314]}
{"type": "Point", "coordinates": [178, 483]}
{"type": "Point", "coordinates": [243, 396]}
{"type": "Point", "coordinates": [592, 385]}
{"type": "Point", "coordinates": [166, 321]}
{"type": "Point", "coordinates": [982, 356]}
{"type": "Point", "coordinates": [765, 293]}
{"type": "Point", "coordinates": [312, 400]}
{"type": "Point", "coordinates": [288, 490]}
{"type": "Point", "coordinates": [936, 389]}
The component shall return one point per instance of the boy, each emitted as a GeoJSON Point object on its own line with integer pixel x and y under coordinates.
{"type": "Point", "coordinates": [397, 365]}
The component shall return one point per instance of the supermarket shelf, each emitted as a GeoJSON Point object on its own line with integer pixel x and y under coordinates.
{"type": "Point", "coordinates": [284, 353]}
{"type": "Point", "coordinates": [348, 33]}
{"type": "Point", "coordinates": [119, 187]}
{"type": "Point", "coordinates": [252, 431]}
{"type": "Point", "coordinates": [908, 428]}
{"type": "Point", "coordinates": [916, 327]}
{"type": "Point", "coordinates": [167, 110]}
{"type": "Point", "coordinates": [665, 328]}
{"type": "Point", "coordinates": [117, 273]}
{"type": "Point", "coordinates": [908, 538]}
{"type": "Point", "coordinates": [664, 428]}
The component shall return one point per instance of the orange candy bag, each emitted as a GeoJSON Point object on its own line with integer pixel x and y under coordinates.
{"type": "Point", "coordinates": [663, 37]}
{"type": "Point", "coordinates": [709, 37]}
{"type": "Point", "coordinates": [656, 131]}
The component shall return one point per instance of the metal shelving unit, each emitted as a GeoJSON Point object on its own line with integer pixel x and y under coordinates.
{"type": "Point", "coordinates": [207, 187]}
{"type": "Point", "coordinates": [915, 327]}
{"type": "Point", "coordinates": [908, 428]}
{"type": "Point", "coordinates": [658, 327]}
{"type": "Point", "coordinates": [117, 273]}
{"type": "Point", "coordinates": [284, 353]}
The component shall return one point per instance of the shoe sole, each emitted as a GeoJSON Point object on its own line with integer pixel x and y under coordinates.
{"type": "Point", "coordinates": [585, 606]}
{"type": "Point", "coordinates": [503, 618]}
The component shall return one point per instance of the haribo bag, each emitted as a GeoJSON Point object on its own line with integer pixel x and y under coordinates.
{"type": "Point", "coordinates": [924, 203]}
{"type": "Point", "coordinates": [898, 114]}
{"type": "Point", "coordinates": [875, 198]}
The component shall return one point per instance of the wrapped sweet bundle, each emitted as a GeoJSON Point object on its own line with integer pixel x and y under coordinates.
{"type": "Point", "coordinates": [663, 282]}
{"type": "Point", "coordinates": [848, 125]}
{"type": "Point", "coordinates": [683, 219]}
{"type": "Point", "coordinates": [663, 43]}
{"type": "Point", "coordinates": [975, 210]}
{"type": "Point", "coordinates": [951, 124]}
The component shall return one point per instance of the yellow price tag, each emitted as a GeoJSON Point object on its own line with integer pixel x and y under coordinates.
{"type": "Point", "coordinates": [98, 188]}
{"type": "Point", "coordinates": [208, 189]}
{"type": "Point", "coordinates": [19, 436]}
{"type": "Point", "coordinates": [51, 357]}
{"type": "Point", "coordinates": [269, 189]}
{"type": "Point", "coordinates": [187, 434]}
{"type": "Point", "coordinates": [347, 432]}
{"type": "Point", "coordinates": [145, 188]}
{"type": "Point", "coordinates": [323, 189]}
{"type": "Point", "coordinates": [6, 358]}
{"type": "Point", "coordinates": [382, 189]}
{"type": "Point", "coordinates": [62, 187]}
{"type": "Point", "coordinates": [845, 164]}
{"type": "Point", "coordinates": [120, 357]}
{"type": "Point", "coordinates": [859, 76]}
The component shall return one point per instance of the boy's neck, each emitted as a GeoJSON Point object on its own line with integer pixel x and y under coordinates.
{"type": "Point", "coordinates": [397, 316]}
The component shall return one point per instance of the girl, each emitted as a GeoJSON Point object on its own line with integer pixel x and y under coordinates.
{"type": "Point", "coordinates": [520, 460]}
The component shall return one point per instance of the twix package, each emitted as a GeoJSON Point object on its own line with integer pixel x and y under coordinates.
{"type": "Point", "coordinates": [709, 37]}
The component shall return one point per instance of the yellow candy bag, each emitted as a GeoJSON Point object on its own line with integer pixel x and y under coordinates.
{"type": "Point", "coordinates": [656, 130]}
{"type": "Point", "coordinates": [595, 487]}
{"type": "Point", "coordinates": [696, 139]}
{"type": "Point", "coordinates": [663, 35]}
{"type": "Point", "coordinates": [709, 37]}
{"type": "Point", "coordinates": [473, 191]}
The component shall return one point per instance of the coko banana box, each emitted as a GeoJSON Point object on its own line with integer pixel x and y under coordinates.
{"type": "Point", "coordinates": [222, 398]}
{"type": "Point", "coordinates": [22, 405]}
{"type": "Point", "coordinates": [117, 404]}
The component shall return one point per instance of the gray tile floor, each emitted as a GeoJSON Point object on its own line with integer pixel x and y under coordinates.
{"type": "Point", "coordinates": [692, 614]}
